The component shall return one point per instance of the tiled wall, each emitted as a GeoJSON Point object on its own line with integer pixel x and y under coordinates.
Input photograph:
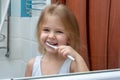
{"type": "Point", "coordinates": [22, 41]}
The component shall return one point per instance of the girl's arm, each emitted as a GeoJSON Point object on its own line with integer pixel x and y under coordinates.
{"type": "Point", "coordinates": [28, 72]}
{"type": "Point", "coordinates": [78, 65]}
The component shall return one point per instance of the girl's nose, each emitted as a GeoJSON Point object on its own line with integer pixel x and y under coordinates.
{"type": "Point", "coordinates": [51, 35]}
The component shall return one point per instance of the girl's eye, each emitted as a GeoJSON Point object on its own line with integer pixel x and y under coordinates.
{"type": "Point", "coordinates": [59, 31]}
{"type": "Point", "coordinates": [46, 30]}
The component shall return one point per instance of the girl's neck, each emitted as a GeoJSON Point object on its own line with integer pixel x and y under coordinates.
{"type": "Point", "coordinates": [51, 56]}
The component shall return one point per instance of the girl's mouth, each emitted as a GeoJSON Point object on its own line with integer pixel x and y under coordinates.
{"type": "Point", "coordinates": [51, 45]}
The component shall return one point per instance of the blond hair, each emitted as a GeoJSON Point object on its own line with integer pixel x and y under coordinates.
{"type": "Point", "coordinates": [67, 18]}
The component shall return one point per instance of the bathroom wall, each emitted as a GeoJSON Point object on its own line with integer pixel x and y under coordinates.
{"type": "Point", "coordinates": [3, 36]}
{"type": "Point", "coordinates": [22, 41]}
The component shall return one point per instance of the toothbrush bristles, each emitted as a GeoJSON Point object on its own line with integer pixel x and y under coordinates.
{"type": "Point", "coordinates": [69, 56]}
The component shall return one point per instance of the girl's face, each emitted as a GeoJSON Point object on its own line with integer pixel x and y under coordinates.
{"type": "Point", "coordinates": [53, 32]}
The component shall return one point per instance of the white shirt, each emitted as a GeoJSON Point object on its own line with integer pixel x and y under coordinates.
{"type": "Point", "coordinates": [65, 68]}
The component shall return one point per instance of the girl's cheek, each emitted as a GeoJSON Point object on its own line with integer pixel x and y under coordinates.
{"type": "Point", "coordinates": [42, 38]}
{"type": "Point", "coordinates": [43, 35]}
{"type": "Point", "coordinates": [63, 40]}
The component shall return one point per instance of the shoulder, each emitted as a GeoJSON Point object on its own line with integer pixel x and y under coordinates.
{"type": "Point", "coordinates": [29, 67]}
{"type": "Point", "coordinates": [31, 62]}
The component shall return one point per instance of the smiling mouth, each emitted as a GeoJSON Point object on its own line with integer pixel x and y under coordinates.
{"type": "Point", "coordinates": [51, 45]}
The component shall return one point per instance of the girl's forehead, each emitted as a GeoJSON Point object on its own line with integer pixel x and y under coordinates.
{"type": "Point", "coordinates": [50, 18]}
{"type": "Point", "coordinates": [53, 21]}
{"type": "Point", "coordinates": [53, 26]}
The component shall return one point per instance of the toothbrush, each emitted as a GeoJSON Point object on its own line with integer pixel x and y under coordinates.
{"type": "Point", "coordinates": [69, 56]}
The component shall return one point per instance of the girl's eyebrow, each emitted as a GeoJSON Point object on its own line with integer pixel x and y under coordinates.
{"type": "Point", "coordinates": [45, 27]}
{"type": "Point", "coordinates": [59, 28]}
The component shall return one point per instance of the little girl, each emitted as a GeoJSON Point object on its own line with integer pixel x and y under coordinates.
{"type": "Point", "coordinates": [57, 26]}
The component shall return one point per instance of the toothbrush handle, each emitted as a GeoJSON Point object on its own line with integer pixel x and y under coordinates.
{"type": "Point", "coordinates": [70, 57]}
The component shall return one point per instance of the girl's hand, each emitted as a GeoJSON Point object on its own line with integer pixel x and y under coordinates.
{"type": "Point", "coordinates": [66, 50]}
{"type": "Point", "coordinates": [79, 64]}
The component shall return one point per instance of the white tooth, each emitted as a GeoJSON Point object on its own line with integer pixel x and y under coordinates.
{"type": "Point", "coordinates": [51, 45]}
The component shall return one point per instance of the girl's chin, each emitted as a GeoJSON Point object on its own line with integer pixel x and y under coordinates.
{"type": "Point", "coordinates": [50, 50]}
